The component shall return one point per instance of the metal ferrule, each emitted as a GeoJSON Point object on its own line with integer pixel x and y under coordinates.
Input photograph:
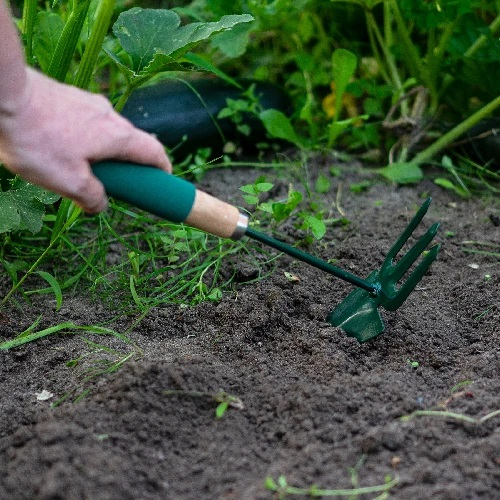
{"type": "Point", "coordinates": [241, 227]}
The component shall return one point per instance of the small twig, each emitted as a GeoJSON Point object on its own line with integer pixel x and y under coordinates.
{"type": "Point", "coordinates": [340, 210]}
{"type": "Point", "coordinates": [449, 414]}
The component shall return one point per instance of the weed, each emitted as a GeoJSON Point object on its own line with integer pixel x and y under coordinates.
{"type": "Point", "coordinates": [56, 40]}
{"type": "Point", "coordinates": [458, 391]}
{"type": "Point", "coordinates": [283, 489]}
{"type": "Point", "coordinates": [95, 368]}
{"type": "Point", "coordinates": [223, 399]}
{"type": "Point", "coordinates": [413, 364]}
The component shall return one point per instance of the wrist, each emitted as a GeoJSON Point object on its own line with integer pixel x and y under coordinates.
{"type": "Point", "coordinates": [14, 97]}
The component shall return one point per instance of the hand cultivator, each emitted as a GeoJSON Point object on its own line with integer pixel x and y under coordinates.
{"type": "Point", "coordinates": [179, 201]}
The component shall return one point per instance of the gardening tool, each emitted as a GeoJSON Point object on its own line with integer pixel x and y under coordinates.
{"type": "Point", "coordinates": [177, 200]}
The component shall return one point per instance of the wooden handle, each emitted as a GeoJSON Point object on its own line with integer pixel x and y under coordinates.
{"type": "Point", "coordinates": [216, 216]}
{"type": "Point", "coordinates": [170, 197]}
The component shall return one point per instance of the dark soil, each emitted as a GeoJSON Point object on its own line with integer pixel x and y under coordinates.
{"type": "Point", "coordinates": [318, 407]}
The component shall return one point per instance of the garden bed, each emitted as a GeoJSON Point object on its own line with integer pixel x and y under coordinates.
{"type": "Point", "coordinates": [313, 405]}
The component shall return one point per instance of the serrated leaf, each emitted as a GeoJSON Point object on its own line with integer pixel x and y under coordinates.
{"type": "Point", "coordinates": [251, 199]}
{"type": "Point", "coordinates": [248, 188]}
{"type": "Point", "coordinates": [149, 34]}
{"type": "Point", "coordinates": [402, 173]}
{"type": "Point", "coordinates": [263, 187]}
{"type": "Point", "coordinates": [282, 211]}
{"type": "Point", "coordinates": [267, 207]}
{"type": "Point", "coordinates": [316, 226]}
{"type": "Point", "coordinates": [23, 207]}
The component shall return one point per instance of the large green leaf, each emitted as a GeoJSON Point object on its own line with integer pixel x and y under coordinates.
{"type": "Point", "coordinates": [154, 37]}
{"type": "Point", "coordinates": [22, 207]}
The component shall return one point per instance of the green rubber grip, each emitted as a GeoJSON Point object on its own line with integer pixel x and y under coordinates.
{"type": "Point", "coordinates": [147, 188]}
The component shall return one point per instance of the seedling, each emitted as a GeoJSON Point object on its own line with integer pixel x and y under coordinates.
{"type": "Point", "coordinates": [413, 364]}
{"type": "Point", "coordinates": [223, 399]}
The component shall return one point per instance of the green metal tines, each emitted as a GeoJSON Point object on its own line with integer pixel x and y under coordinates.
{"type": "Point", "coordinates": [358, 314]}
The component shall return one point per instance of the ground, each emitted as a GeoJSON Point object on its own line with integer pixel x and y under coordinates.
{"type": "Point", "coordinates": [314, 405]}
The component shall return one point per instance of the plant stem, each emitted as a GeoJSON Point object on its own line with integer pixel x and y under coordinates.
{"type": "Point", "coordinates": [389, 59]}
{"type": "Point", "coordinates": [435, 60]}
{"type": "Point", "coordinates": [412, 57]}
{"type": "Point", "coordinates": [353, 492]}
{"type": "Point", "coordinates": [66, 45]}
{"type": "Point", "coordinates": [30, 271]}
{"type": "Point", "coordinates": [136, 82]}
{"type": "Point", "coordinates": [456, 132]}
{"type": "Point", "coordinates": [450, 414]}
{"type": "Point", "coordinates": [99, 30]}
{"type": "Point", "coordinates": [482, 39]}
{"type": "Point", "coordinates": [29, 17]}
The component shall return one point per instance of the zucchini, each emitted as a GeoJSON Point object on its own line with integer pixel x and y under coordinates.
{"type": "Point", "coordinates": [175, 114]}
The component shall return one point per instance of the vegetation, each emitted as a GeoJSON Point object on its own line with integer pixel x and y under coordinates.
{"type": "Point", "coordinates": [401, 86]}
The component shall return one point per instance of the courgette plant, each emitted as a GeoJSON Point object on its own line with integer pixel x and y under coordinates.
{"type": "Point", "coordinates": [65, 41]}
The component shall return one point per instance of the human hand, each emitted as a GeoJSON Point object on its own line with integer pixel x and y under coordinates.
{"type": "Point", "coordinates": [54, 132]}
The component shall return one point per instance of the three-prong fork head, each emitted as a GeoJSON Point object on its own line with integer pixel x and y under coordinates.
{"type": "Point", "coordinates": [358, 314]}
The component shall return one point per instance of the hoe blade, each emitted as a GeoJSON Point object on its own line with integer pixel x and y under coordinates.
{"type": "Point", "coordinates": [358, 314]}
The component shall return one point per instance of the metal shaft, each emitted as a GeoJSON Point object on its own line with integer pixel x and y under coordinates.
{"type": "Point", "coordinates": [313, 261]}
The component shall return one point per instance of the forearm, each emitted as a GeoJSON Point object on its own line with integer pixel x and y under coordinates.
{"type": "Point", "coordinates": [12, 64]}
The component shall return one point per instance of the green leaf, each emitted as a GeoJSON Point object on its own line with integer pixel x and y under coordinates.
{"type": "Point", "coordinates": [154, 37]}
{"type": "Point", "coordinates": [279, 126]}
{"type": "Point", "coordinates": [203, 63]}
{"type": "Point", "coordinates": [22, 207]}
{"type": "Point", "coordinates": [24, 339]}
{"type": "Point", "coordinates": [54, 284]}
{"type": "Point", "coordinates": [337, 127]}
{"type": "Point", "coordinates": [266, 206]}
{"type": "Point", "coordinates": [48, 29]}
{"type": "Point", "coordinates": [344, 65]}
{"type": "Point", "coordinates": [281, 211]}
{"type": "Point", "coordinates": [215, 295]}
{"type": "Point", "coordinates": [322, 185]}
{"type": "Point", "coordinates": [263, 187]}
{"type": "Point", "coordinates": [366, 4]}
{"type": "Point", "coordinates": [233, 43]}
{"type": "Point", "coordinates": [402, 173]}
{"type": "Point", "coordinates": [316, 226]}
{"type": "Point", "coordinates": [221, 409]}
{"type": "Point", "coordinates": [251, 199]}
{"type": "Point", "coordinates": [248, 188]}
{"type": "Point", "coordinates": [270, 484]}
{"type": "Point", "coordinates": [447, 184]}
